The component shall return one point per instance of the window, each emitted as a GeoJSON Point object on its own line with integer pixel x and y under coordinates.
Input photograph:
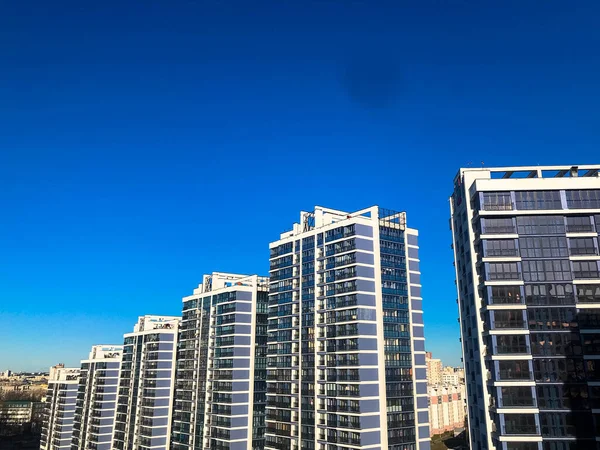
{"type": "Point", "coordinates": [496, 201]}
{"type": "Point", "coordinates": [595, 397]}
{"type": "Point", "coordinates": [583, 199]}
{"type": "Point", "coordinates": [555, 424]}
{"type": "Point", "coordinates": [555, 344]}
{"type": "Point", "coordinates": [558, 370]}
{"type": "Point", "coordinates": [549, 294]}
{"type": "Point", "coordinates": [511, 344]}
{"type": "Point", "coordinates": [538, 200]}
{"type": "Point", "coordinates": [585, 269]}
{"type": "Point", "coordinates": [499, 295]}
{"type": "Point", "coordinates": [522, 446]}
{"type": "Point", "coordinates": [589, 318]}
{"type": "Point", "coordinates": [568, 445]}
{"type": "Point", "coordinates": [528, 225]}
{"type": "Point", "coordinates": [588, 293]}
{"type": "Point", "coordinates": [508, 319]}
{"type": "Point", "coordinates": [498, 226]}
{"type": "Point", "coordinates": [583, 246]}
{"type": "Point", "coordinates": [552, 318]}
{"type": "Point", "coordinates": [520, 424]}
{"type": "Point", "coordinates": [544, 247]}
{"type": "Point", "coordinates": [591, 343]}
{"type": "Point", "coordinates": [545, 270]}
{"type": "Point", "coordinates": [592, 369]}
{"type": "Point", "coordinates": [514, 370]}
{"type": "Point", "coordinates": [579, 224]}
{"type": "Point", "coordinates": [500, 247]}
{"type": "Point", "coordinates": [503, 271]}
{"type": "Point", "coordinates": [516, 396]}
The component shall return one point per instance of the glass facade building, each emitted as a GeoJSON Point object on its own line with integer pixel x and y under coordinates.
{"type": "Point", "coordinates": [97, 398]}
{"type": "Point", "coordinates": [525, 241]}
{"type": "Point", "coordinates": [221, 365]}
{"type": "Point", "coordinates": [346, 351]}
{"type": "Point", "coordinates": [146, 384]}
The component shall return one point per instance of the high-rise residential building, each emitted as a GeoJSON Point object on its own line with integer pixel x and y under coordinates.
{"type": "Point", "coordinates": [96, 398]}
{"type": "Point", "coordinates": [528, 282]}
{"type": "Point", "coordinates": [146, 382]}
{"type": "Point", "coordinates": [447, 408]}
{"type": "Point", "coordinates": [57, 428]}
{"type": "Point", "coordinates": [434, 369]}
{"type": "Point", "coordinates": [346, 357]}
{"type": "Point", "coordinates": [221, 365]}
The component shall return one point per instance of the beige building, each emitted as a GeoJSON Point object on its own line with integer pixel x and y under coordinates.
{"type": "Point", "coordinates": [446, 408]}
{"type": "Point", "coordinates": [453, 376]}
{"type": "Point", "coordinates": [434, 369]}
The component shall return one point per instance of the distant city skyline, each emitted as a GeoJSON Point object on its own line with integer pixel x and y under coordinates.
{"type": "Point", "coordinates": [146, 144]}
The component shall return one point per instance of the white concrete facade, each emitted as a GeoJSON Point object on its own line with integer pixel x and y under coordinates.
{"type": "Point", "coordinates": [525, 242]}
{"type": "Point", "coordinates": [97, 398]}
{"type": "Point", "coordinates": [59, 411]}
{"type": "Point", "coordinates": [146, 385]}
{"type": "Point", "coordinates": [346, 366]}
{"type": "Point", "coordinates": [221, 365]}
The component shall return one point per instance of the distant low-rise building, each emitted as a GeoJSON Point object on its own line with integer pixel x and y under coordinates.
{"type": "Point", "coordinates": [17, 412]}
{"type": "Point", "coordinates": [446, 408]}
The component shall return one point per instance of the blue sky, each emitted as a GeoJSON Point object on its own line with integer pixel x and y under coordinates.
{"type": "Point", "coordinates": [143, 144]}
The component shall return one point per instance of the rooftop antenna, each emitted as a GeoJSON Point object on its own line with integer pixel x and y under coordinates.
{"type": "Point", "coordinates": [482, 164]}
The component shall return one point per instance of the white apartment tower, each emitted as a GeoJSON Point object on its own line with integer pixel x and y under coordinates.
{"type": "Point", "coordinates": [221, 365]}
{"type": "Point", "coordinates": [527, 261]}
{"type": "Point", "coordinates": [59, 411]}
{"type": "Point", "coordinates": [346, 350]}
{"type": "Point", "coordinates": [97, 398]}
{"type": "Point", "coordinates": [146, 382]}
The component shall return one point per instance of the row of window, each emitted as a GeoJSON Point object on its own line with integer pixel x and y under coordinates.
{"type": "Point", "coordinates": [541, 247]}
{"type": "Point", "coordinates": [539, 225]}
{"type": "Point", "coordinates": [542, 270]}
{"type": "Point", "coordinates": [543, 294]}
{"type": "Point", "coordinates": [539, 200]}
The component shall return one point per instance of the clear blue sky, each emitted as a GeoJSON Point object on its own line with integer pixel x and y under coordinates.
{"type": "Point", "coordinates": [145, 143]}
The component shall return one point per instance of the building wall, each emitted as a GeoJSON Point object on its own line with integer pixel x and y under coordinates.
{"type": "Point", "coordinates": [221, 369]}
{"type": "Point", "coordinates": [97, 398]}
{"type": "Point", "coordinates": [16, 412]}
{"type": "Point", "coordinates": [527, 267]}
{"type": "Point", "coordinates": [146, 384]}
{"type": "Point", "coordinates": [344, 287]}
{"type": "Point", "coordinates": [57, 428]}
{"type": "Point", "coordinates": [446, 408]}
{"type": "Point", "coordinates": [434, 370]}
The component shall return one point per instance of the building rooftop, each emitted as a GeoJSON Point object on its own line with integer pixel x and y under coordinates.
{"type": "Point", "coordinates": [322, 217]}
{"type": "Point", "coordinates": [536, 171]}
{"type": "Point", "coordinates": [221, 280]}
